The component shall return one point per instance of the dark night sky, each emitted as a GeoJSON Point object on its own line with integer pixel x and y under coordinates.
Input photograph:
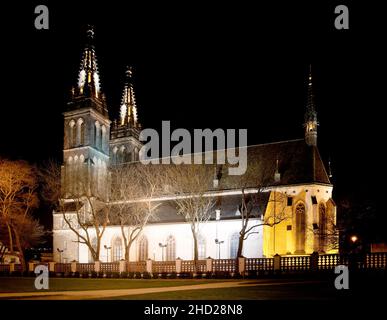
{"type": "Point", "coordinates": [227, 66]}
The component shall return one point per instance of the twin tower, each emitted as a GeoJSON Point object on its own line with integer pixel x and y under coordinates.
{"type": "Point", "coordinates": [91, 141]}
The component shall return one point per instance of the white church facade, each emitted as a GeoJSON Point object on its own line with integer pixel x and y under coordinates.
{"type": "Point", "coordinates": [94, 142]}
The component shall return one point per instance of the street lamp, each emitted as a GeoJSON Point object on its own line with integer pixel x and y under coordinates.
{"type": "Point", "coordinates": [60, 254]}
{"type": "Point", "coordinates": [162, 246]}
{"type": "Point", "coordinates": [354, 238]}
{"type": "Point", "coordinates": [218, 243]}
{"type": "Point", "coordinates": [107, 252]}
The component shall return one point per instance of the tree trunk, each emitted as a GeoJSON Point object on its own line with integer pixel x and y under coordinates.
{"type": "Point", "coordinates": [10, 239]}
{"type": "Point", "coordinates": [21, 251]}
{"type": "Point", "coordinates": [240, 245]}
{"type": "Point", "coordinates": [196, 251]}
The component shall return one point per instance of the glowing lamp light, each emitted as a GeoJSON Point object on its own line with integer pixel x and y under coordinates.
{"type": "Point", "coordinates": [354, 239]}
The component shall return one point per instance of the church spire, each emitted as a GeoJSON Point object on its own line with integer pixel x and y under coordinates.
{"type": "Point", "coordinates": [88, 92]}
{"type": "Point", "coordinates": [311, 122]}
{"type": "Point", "coordinates": [128, 110]}
{"type": "Point", "coordinates": [88, 76]}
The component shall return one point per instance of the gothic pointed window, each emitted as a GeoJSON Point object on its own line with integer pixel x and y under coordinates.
{"type": "Point", "coordinates": [97, 133]}
{"type": "Point", "coordinates": [80, 131]}
{"type": "Point", "coordinates": [322, 230]}
{"type": "Point", "coordinates": [117, 249]}
{"type": "Point", "coordinates": [234, 241]}
{"type": "Point", "coordinates": [103, 137]}
{"type": "Point", "coordinates": [72, 133]}
{"type": "Point", "coordinates": [143, 249]}
{"type": "Point", "coordinates": [300, 227]}
{"type": "Point", "coordinates": [170, 250]}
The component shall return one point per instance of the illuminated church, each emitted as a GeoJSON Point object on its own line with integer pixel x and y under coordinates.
{"type": "Point", "coordinates": [299, 179]}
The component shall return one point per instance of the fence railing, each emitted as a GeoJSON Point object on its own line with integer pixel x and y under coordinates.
{"type": "Point", "coordinates": [259, 264]}
{"type": "Point", "coordinates": [85, 267]}
{"type": "Point", "coordinates": [188, 266]}
{"type": "Point", "coordinates": [285, 264]}
{"type": "Point", "coordinates": [296, 263]}
{"type": "Point", "coordinates": [164, 266]}
{"type": "Point", "coordinates": [110, 267]}
{"type": "Point", "coordinates": [224, 265]}
{"type": "Point", "coordinates": [4, 268]}
{"type": "Point", "coordinates": [136, 266]}
{"type": "Point", "coordinates": [62, 267]}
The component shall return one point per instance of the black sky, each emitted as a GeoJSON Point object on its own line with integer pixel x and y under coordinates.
{"type": "Point", "coordinates": [236, 65]}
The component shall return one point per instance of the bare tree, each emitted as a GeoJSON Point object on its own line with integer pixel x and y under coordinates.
{"type": "Point", "coordinates": [328, 234]}
{"type": "Point", "coordinates": [18, 198]}
{"type": "Point", "coordinates": [189, 185]}
{"type": "Point", "coordinates": [132, 189]}
{"type": "Point", "coordinates": [255, 196]}
{"type": "Point", "coordinates": [89, 214]}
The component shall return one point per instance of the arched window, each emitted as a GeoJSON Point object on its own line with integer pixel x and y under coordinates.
{"type": "Point", "coordinates": [170, 250]}
{"type": "Point", "coordinates": [103, 137]}
{"type": "Point", "coordinates": [72, 134]}
{"type": "Point", "coordinates": [80, 131]}
{"type": "Point", "coordinates": [234, 241]}
{"type": "Point", "coordinates": [143, 249]}
{"type": "Point", "coordinates": [201, 247]}
{"type": "Point", "coordinates": [94, 245]}
{"type": "Point", "coordinates": [322, 226]}
{"type": "Point", "coordinates": [117, 249]}
{"type": "Point", "coordinates": [97, 133]}
{"type": "Point", "coordinates": [82, 134]}
{"type": "Point", "coordinates": [115, 149]}
{"type": "Point", "coordinates": [300, 228]}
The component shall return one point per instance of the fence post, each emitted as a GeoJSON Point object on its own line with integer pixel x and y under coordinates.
{"type": "Point", "coordinates": [277, 263]}
{"type": "Point", "coordinates": [97, 266]}
{"type": "Point", "coordinates": [11, 267]}
{"type": "Point", "coordinates": [178, 265]}
{"type": "Point", "coordinates": [209, 264]}
{"type": "Point", "coordinates": [314, 261]}
{"type": "Point", "coordinates": [73, 266]}
{"type": "Point", "coordinates": [51, 266]}
{"type": "Point", "coordinates": [31, 266]}
{"type": "Point", "coordinates": [242, 265]}
{"type": "Point", "coordinates": [149, 266]}
{"type": "Point", "coordinates": [122, 266]}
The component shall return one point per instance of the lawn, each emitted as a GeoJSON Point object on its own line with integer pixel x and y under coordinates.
{"type": "Point", "coordinates": [25, 284]}
{"type": "Point", "coordinates": [307, 291]}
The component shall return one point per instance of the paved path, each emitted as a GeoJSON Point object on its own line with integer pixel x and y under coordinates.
{"type": "Point", "coordinates": [101, 294]}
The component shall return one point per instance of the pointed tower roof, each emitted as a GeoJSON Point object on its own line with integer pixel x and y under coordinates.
{"type": "Point", "coordinates": [310, 114]}
{"type": "Point", "coordinates": [88, 85]}
{"type": "Point", "coordinates": [128, 110]}
{"type": "Point", "coordinates": [310, 122]}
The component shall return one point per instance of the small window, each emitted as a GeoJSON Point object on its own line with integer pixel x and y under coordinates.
{"type": "Point", "coordinates": [314, 200]}
{"type": "Point", "coordinates": [315, 226]}
{"type": "Point", "coordinates": [290, 201]}
{"type": "Point", "coordinates": [289, 228]}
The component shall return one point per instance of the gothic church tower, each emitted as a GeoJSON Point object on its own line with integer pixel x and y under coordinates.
{"type": "Point", "coordinates": [124, 143]}
{"type": "Point", "coordinates": [86, 130]}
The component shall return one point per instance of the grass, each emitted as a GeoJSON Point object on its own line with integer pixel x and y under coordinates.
{"type": "Point", "coordinates": [308, 291]}
{"type": "Point", "coordinates": [25, 284]}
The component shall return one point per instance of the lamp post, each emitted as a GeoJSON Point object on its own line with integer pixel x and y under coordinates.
{"type": "Point", "coordinates": [60, 254]}
{"type": "Point", "coordinates": [218, 242]}
{"type": "Point", "coordinates": [162, 246]}
{"type": "Point", "coordinates": [107, 252]}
